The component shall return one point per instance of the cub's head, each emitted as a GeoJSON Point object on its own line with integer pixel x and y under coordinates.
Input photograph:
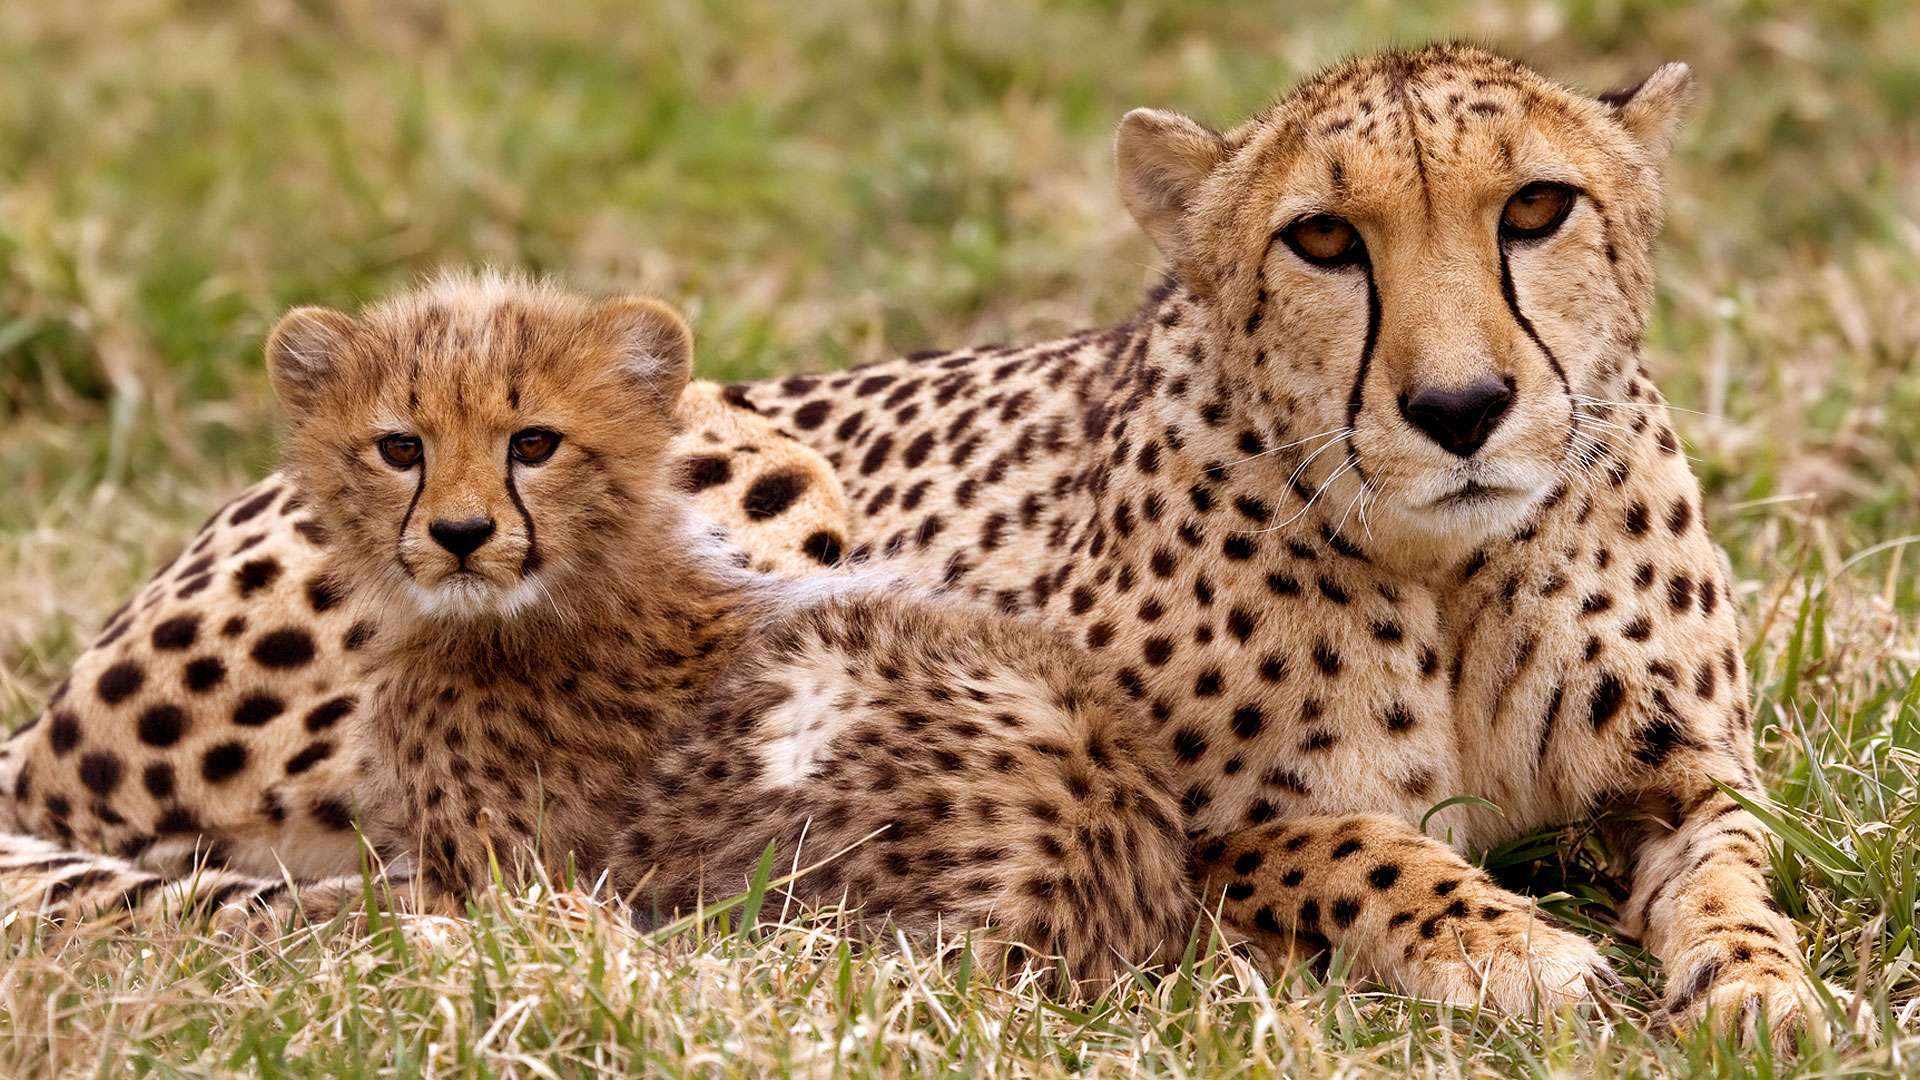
{"type": "Point", "coordinates": [481, 442]}
{"type": "Point", "coordinates": [1434, 264]}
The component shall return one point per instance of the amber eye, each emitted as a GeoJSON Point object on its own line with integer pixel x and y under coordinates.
{"type": "Point", "coordinates": [1536, 210]}
{"type": "Point", "coordinates": [1324, 240]}
{"type": "Point", "coordinates": [533, 446]}
{"type": "Point", "coordinates": [400, 451]}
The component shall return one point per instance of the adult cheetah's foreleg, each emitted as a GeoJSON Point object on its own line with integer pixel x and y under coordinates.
{"type": "Point", "coordinates": [1407, 908]}
{"type": "Point", "coordinates": [1701, 903]}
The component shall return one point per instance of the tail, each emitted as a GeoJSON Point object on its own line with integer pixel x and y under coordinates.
{"type": "Point", "coordinates": [41, 877]}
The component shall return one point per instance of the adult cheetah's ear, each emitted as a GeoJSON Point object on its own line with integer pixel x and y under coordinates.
{"type": "Point", "coordinates": [652, 344]}
{"type": "Point", "coordinates": [1162, 158]}
{"type": "Point", "coordinates": [303, 354]}
{"type": "Point", "coordinates": [1651, 109]}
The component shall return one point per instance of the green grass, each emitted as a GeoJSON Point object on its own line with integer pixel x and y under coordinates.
{"type": "Point", "coordinates": [835, 181]}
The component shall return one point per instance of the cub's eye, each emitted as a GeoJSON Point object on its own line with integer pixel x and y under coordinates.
{"type": "Point", "coordinates": [400, 451]}
{"type": "Point", "coordinates": [1324, 240]}
{"type": "Point", "coordinates": [1536, 210]}
{"type": "Point", "coordinates": [533, 446]}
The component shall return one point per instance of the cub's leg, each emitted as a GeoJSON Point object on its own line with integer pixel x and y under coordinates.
{"type": "Point", "coordinates": [1411, 912]}
{"type": "Point", "coordinates": [950, 769]}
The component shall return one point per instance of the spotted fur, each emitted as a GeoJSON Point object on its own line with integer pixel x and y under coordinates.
{"type": "Point", "coordinates": [1226, 504]}
{"type": "Point", "coordinates": [595, 684]}
{"type": "Point", "coordinates": [1230, 503]}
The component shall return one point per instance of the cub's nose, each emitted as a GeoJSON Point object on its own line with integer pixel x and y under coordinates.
{"type": "Point", "coordinates": [462, 537]}
{"type": "Point", "coordinates": [1459, 419]}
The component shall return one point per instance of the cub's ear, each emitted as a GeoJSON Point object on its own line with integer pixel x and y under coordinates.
{"type": "Point", "coordinates": [652, 345]}
{"type": "Point", "coordinates": [1651, 109]}
{"type": "Point", "coordinates": [1161, 159]}
{"type": "Point", "coordinates": [303, 355]}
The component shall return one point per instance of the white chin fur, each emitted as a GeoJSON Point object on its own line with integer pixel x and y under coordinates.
{"type": "Point", "coordinates": [471, 597]}
{"type": "Point", "coordinates": [1422, 508]}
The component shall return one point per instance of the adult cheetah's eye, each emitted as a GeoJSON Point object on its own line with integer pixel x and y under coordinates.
{"type": "Point", "coordinates": [400, 451]}
{"type": "Point", "coordinates": [1536, 210]}
{"type": "Point", "coordinates": [533, 446]}
{"type": "Point", "coordinates": [1324, 240]}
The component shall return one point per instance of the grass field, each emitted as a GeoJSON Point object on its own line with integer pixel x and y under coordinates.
{"type": "Point", "coordinates": [841, 180]}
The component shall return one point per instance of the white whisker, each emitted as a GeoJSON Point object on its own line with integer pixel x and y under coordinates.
{"type": "Point", "coordinates": [1288, 446]}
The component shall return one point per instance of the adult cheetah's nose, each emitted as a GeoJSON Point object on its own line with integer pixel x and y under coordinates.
{"type": "Point", "coordinates": [462, 537]}
{"type": "Point", "coordinates": [1459, 419]}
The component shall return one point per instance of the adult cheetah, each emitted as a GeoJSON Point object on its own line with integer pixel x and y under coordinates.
{"type": "Point", "coordinates": [569, 674]}
{"type": "Point", "coordinates": [1371, 504]}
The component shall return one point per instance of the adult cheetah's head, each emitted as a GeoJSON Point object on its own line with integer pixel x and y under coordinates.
{"type": "Point", "coordinates": [1430, 263]}
{"type": "Point", "coordinates": [481, 443]}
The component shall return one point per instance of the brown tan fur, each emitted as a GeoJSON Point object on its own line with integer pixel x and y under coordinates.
{"type": "Point", "coordinates": [1223, 502]}
{"type": "Point", "coordinates": [1227, 502]}
{"type": "Point", "coordinates": [205, 720]}
{"type": "Point", "coordinates": [596, 685]}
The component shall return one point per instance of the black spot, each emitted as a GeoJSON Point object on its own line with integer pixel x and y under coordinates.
{"type": "Point", "coordinates": [1248, 720]}
{"type": "Point", "coordinates": [701, 473]}
{"type": "Point", "coordinates": [1332, 591]}
{"type": "Point", "coordinates": [256, 709]}
{"type": "Point", "coordinates": [771, 495]}
{"type": "Point", "coordinates": [323, 594]}
{"type": "Point", "coordinates": [1327, 659]}
{"type": "Point", "coordinates": [252, 507]}
{"type": "Point", "coordinates": [1398, 719]}
{"type": "Point", "coordinates": [1607, 698]}
{"type": "Point", "coordinates": [100, 772]}
{"type": "Point", "coordinates": [1207, 684]}
{"type": "Point", "coordinates": [1345, 848]}
{"type": "Point", "coordinates": [223, 762]}
{"type": "Point", "coordinates": [179, 632]}
{"type": "Point", "coordinates": [120, 682]}
{"type": "Point", "coordinates": [1188, 744]}
{"type": "Point", "coordinates": [162, 725]}
{"type": "Point", "coordinates": [306, 759]}
{"type": "Point", "coordinates": [823, 547]}
{"type": "Point", "coordinates": [332, 813]}
{"type": "Point", "coordinates": [1637, 519]}
{"type": "Point", "coordinates": [1383, 876]}
{"type": "Point", "coordinates": [811, 415]}
{"type": "Point", "coordinates": [1247, 863]}
{"type": "Point", "coordinates": [284, 648]}
{"type": "Point", "coordinates": [1344, 911]}
{"type": "Point", "coordinates": [1282, 585]}
{"type": "Point", "coordinates": [157, 778]}
{"type": "Point", "coordinates": [1157, 650]}
{"type": "Point", "coordinates": [204, 673]}
{"type": "Point", "coordinates": [63, 732]}
{"type": "Point", "coordinates": [1241, 623]}
{"type": "Point", "coordinates": [357, 636]}
{"type": "Point", "coordinates": [254, 575]}
{"type": "Point", "coordinates": [1680, 592]}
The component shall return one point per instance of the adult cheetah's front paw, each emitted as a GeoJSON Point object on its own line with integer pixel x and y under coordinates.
{"type": "Point", "coordinates": [1733, 995]}
{"type": "Point", "coordinates": [1515, 962]}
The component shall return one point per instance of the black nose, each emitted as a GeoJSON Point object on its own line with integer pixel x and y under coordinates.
{"type": "Point", "coordinates": [1460, 419]}
{"type": "Point", "coordinates": [462, 537]}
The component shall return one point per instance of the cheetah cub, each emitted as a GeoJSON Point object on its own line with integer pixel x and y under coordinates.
{"type": "Point", "coordinates": [569, 671]}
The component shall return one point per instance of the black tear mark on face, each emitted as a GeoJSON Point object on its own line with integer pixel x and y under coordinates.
{"type": "Point", "coordinates": [531, 561]}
